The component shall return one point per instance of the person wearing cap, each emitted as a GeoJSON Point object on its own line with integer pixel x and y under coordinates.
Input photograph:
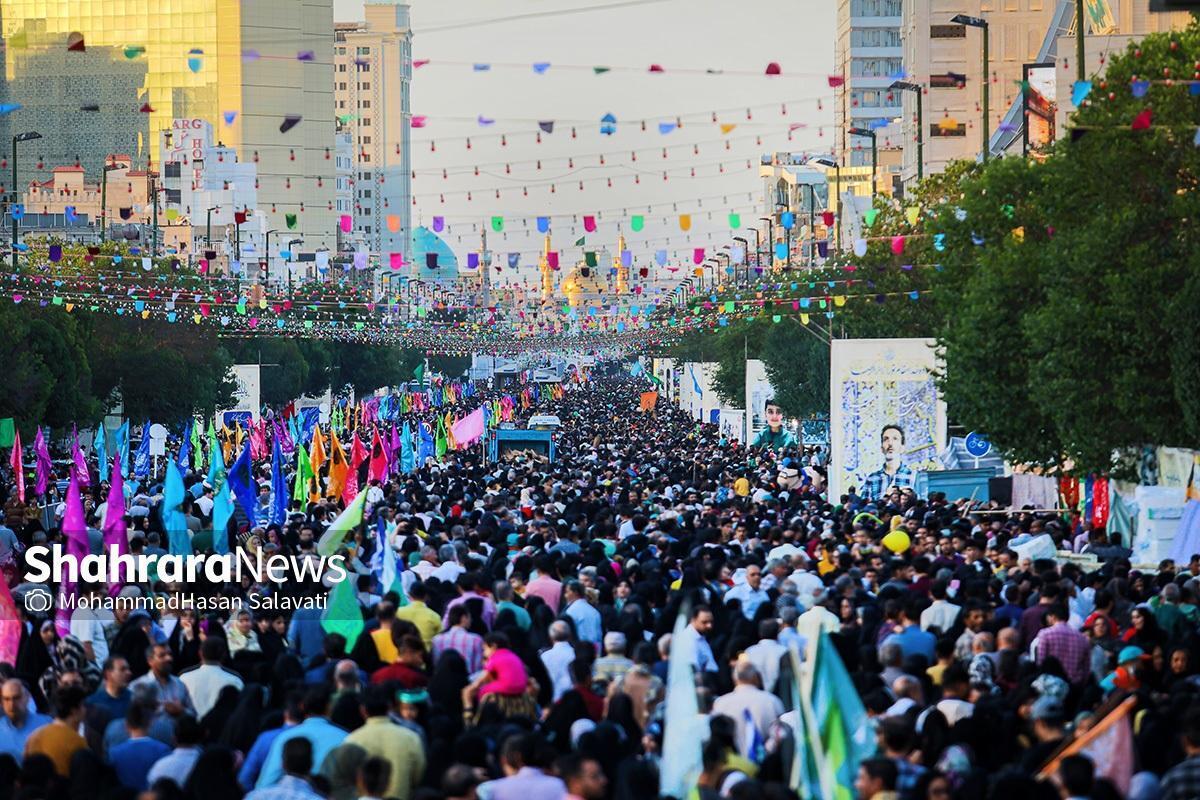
{"type": "Point", "coordinates": [1049, 718]}
{"type": "Point", "coordinates": [1125, 677]}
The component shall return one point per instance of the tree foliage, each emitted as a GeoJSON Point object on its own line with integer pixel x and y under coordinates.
{"type": "Point", "coordinates": [1074, 280]}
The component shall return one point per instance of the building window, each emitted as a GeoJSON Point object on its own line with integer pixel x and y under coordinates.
{"type": "Point", "coordinates": [875, 67]}
{"type": "Point", "coordinates": [364, 51]}
{"type": "Point", "coordinates": [875, 8]}
{"type": "Point", "coordinates": [341, 51]}
{"type": "Point", "coordinates": [875, 37]}
{"type": "Point", "coordinates": [947, 31]}
{"type": "Point", "coordinates": [950, 80]}
{"type": "Point", "coordinates": [341, 67]}
{"type": "Point", "coordinates": [939, 130]}
{"type": "Point", "coordinates": [364, 140]}
{"type": "Point", "coordinates": [365, 66]}
{"type": "Point", "coordinates": [171, 169]}
{"type": "Point", "coordinates": [872, 98]}
{"type": "Point", "coordinates": [342, 86]}
{"type": "Point", "coordinates": [366, 193]}
{"type": "Point", "coordinates": [364, 103]}
{"type": "Point", "coordinates": [364, 85]}
{"type": "Point", "coordinates": [366, 121]}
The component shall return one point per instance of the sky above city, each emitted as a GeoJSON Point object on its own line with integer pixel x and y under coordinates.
{"type": "Point", "coordinates": [565, 40]}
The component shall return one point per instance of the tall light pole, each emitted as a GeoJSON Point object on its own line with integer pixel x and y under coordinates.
{"type": "Point", "coordinates": [870, 134]}
{"type": "Point", "coordinates": [770, 238]}
{"type": "Point", "coordinates": [837, 170]}
{"type": "Point", "coordinates": [1080, 21]}
{"type": "Point", "coordinates": [288, 263]}
{"type": "Point", "coordinates": [20, 137]}
{"type": "Point", "coordinates": [104, 200]}
{"type": "Point", "coordinates": [266, 276]}
{"type": "Point", "coordinates": [906, 86]}
{"type": "Point", "coordinates": [745, 256]}
{"type": "Point", "coordinates": [982, 24]}
{"type": "Point", "coordinates": [208, 225]}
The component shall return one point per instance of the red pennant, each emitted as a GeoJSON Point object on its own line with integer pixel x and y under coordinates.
{"type": "Point", "coordinates": [1142, 121]}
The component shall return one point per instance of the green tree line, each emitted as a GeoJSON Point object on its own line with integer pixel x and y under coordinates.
{"type": "Point", "coordinates": [1063, 290]}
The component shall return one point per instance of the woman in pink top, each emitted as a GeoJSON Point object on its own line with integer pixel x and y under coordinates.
{"type": "Point", "coordinates": [504, 682]}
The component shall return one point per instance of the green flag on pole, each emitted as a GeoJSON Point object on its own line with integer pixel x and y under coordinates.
{"type": "Point", "coordinates": [419, 373]}
{"type": "Point", "coordinates": [347, 521]}
{"type": "Point", "coordinates": [304, 473]}
{"type": "Point", "coordinates": [440, 444]}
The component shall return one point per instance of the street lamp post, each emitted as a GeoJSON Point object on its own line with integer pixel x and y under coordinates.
{"type": "Point", "coordinates": [104, 200]}
{"type": "Point", "coordinates": [757, 251]}
{"type": "Point", "coordinates": [770, 239]}
{"type": "Point", "coordinates": [267, 276]}
{"type": "Point", "coordinates": [870, 134]}
{"type": "Point", "coordinates": [20, 137]}
{"type": "Point", "coordinates": [837, 171]}
{"type": "Point", "coordinates": [982, 24]}
{"type": "Point", "coordinates": [208, 225]}
{"type": "Point", "coordinates": [289, 262]}
{"type": "Point", "coordinates": [745, 250]}
{"type": "Point", "coordinates": [906, 86]}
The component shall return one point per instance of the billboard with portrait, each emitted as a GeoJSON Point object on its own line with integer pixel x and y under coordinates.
{"type": "Point", "coordinates": [887, 418]}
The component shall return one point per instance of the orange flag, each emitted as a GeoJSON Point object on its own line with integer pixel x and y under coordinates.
{"type": "Point", "coordinates": [337, 466]}
{"type": "Point", "coordinates": [648, 400]}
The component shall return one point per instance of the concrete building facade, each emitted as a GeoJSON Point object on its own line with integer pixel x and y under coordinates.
{"type": "Point", "coordinates": [246, 68]}
{"type": "Point", "coordinates": [371, 80]}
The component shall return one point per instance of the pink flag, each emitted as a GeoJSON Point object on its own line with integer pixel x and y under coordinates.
{"type": "Point", "coordinates": [45, 468]}
{"type": "Point", "coordinates": [396, 447]}
{"type": "Point", "coordinates": [74, 528]}
{"type": "Point", "coordinates": [18, 467]}
{"type": "Point", "coordinates": [10, 626]}
{"type": "Point", "coordinates": [79, 466]}
{"type": "Point", "coordinates": [469, 429]}
{"type": "Point", "coordinates": [357, 455]}
{"type": "Point", "coordinates": [116, 535]}
{"type": "Point", "coordinates": [378, 468]}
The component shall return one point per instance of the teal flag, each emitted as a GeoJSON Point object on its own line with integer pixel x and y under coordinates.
{"type": "Point", "coordinates": [100, 446]}
{"type": "Point", "coordinates": [408, 458]}
{"type": "Point", "coordinates": [846, 733]}
{"type": "Point", "coordinates": [174, 522]}
{"type": "Point", "coordinates": [342, 614]}
{"type": "Point", "coordinates": [222, 501]}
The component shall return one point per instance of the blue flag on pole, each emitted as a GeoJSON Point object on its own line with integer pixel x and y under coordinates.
{"type": "Point", "coordinates": [695, 383]}
{"type": "Point", "coordinates": [241, 481]}
{"type": "Point", "coordinates": [141, 459]}
{"type": "Point", "coordinates": [122, 437]}
{"type": "Point", "coordinates": [426, 449]}
{"type": "Point", "coordinates": [101, 448]}
{"type": "Point", "coordinates": [185, 449]}
{"type": "Point", "coordinates": [279, 489]}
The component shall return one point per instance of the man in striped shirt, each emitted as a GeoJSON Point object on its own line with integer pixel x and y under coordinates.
{"type": "Point", "coordinates": [458, 637]}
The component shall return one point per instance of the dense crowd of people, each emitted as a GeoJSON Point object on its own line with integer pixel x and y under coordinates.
{"type": "Point", "coordinates": [522, 652]}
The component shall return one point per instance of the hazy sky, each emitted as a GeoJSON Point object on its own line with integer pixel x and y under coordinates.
{"type": "Point", "coordinates": [693, 35]}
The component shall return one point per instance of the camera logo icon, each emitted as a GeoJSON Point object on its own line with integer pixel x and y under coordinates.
{"type": "Point", "coordinates": [39, 601]}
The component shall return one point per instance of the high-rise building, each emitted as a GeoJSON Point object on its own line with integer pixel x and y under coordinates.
{"type": "Point", "coordinates": [869, 57]}
{"type": "Point", "coordinates": [371, 79]}
{"type": "Point", "coordinates": [249, 69]}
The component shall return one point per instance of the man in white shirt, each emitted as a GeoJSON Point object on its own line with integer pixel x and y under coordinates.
{"type": "Point", "coordinates": [206, 681]}
{"type": "Point", "coordinates": [941, 614]}
{"type": "Point", "coordinates": [808, 584]}
{"type": "Point", "coordinates": [88, 626]}
{"type": "Point", "coordinates": [749, 592]}
{"type": "Point", "coordinates": [766, 654]}
{"type": "Point", "coordinates": [450, 569]}
{"type": "Point", "coordinates": [748, 704]}
{"type": "Point", "coordinates": [559, 657]}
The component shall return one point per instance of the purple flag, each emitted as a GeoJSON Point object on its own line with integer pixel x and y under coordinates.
{"type": "Point", "coordinates": [116, 536]}
{"type": "Point", "coordinates": [74, 528]}
{"type": "Point", "coordinates": [45, 468]}
{"type": "Point", "coordinates": [396, 446]}
{"type": "Point", "coordinates": [79, 463]}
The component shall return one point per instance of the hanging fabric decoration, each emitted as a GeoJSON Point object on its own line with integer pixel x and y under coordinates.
{"type": "Point", "coordinates": [195, 59]}
{"type": "Point", "coordinates": [393, 223]}
{"type": "Point", "coordinates": [543, 224]}
{"type": "Point", "coordinates": [698, 255]}
{"type": "Point", "coordinates": [346, 222]}
{"type": "Point", "coordinates": [788, 220]}
{"type": "Point", "coordinates": [589, 224]}
{"type": "Point", "coordinates": [735, 221]}
{"type": "Point", "coordinates": [438, 224]}
{"type": "Point", "coordinates": [514, 260]}
{"type": "Point", "coordinates": [685, 222]}
{"type": "Point", "coordinates": [637, 222]}
{"type": "Point", "coordinates": [289, 122]}
{"type": "Point", "coordinates": [660, 257]}
{"type": "Point", "coordinates": [291, 221]}
{"type": "Point", "coordinates": [497, 224]}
